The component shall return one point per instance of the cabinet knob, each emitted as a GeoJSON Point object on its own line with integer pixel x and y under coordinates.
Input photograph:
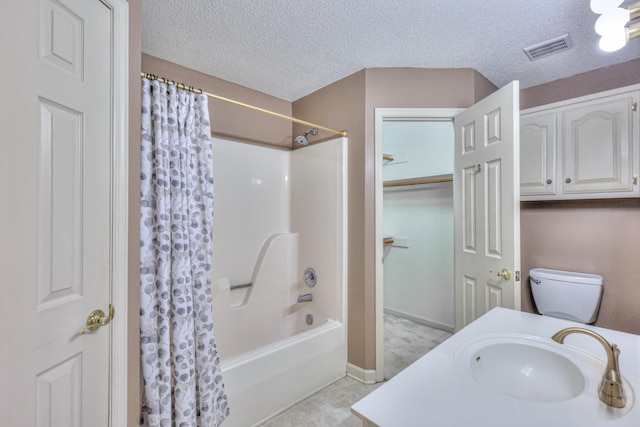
{"type": "Point", "coordinates": [549, 181]}
{"type": "Point", "coordinates": [568, 180]}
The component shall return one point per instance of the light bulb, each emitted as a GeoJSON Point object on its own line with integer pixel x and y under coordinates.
{"type": "Point", "coordinates": [601, 6]}
{"type": "Point", "coordinates": [614, 40]}
{"type": "Point", "coordinates": [612, 20]}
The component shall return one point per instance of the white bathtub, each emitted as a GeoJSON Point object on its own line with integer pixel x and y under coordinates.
{"type": "Point", "coordinates": [268, 380]}
{"type": "Point", "coordinates": [271, 357]}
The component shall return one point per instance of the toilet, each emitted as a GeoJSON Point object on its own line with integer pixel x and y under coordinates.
{"type": "Point", "coordinates": [566, 294]}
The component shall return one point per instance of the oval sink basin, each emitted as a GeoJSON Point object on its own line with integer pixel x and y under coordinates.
{"type": "Point", "coordinates": [523, 368]}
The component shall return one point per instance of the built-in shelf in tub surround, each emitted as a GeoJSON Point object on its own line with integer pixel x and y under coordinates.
{"type": "Point", "coordinates": [437, 390]}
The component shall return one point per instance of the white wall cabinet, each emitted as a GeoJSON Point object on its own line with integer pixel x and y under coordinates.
{"type": "Point", "coordinates": [584, 148]}
{"type": "Point", "coordinates": [538, 154]}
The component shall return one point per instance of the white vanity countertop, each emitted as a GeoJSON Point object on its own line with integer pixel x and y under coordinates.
{"type": "Point", "coordinates": [434, 391]}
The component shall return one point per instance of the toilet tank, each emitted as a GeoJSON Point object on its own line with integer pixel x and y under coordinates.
{"type": "Point", "coordinates": [566, 294]}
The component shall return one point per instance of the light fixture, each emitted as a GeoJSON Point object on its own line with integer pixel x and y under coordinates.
{"type": "Point", "coordinates": [612, 23]}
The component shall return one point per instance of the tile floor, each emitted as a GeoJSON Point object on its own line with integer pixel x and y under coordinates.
{"type": "Point", "coordinates": [405, 342]}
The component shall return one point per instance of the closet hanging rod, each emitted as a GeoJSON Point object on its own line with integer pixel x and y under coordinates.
{"type": "Point", "coordinates": [418, 182]}
{"type": "Point", "coordinates": [241, 104]}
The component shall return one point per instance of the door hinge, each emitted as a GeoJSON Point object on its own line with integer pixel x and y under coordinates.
{"type": "Point", "coordinates": [517, 276]}
{"type": "Point", "coordinates": [634, 107]}
{"type": "Point", "coordinates": [635, 179]}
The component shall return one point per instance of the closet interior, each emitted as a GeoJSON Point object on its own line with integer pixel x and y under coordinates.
{"type": "Point", "coordinates": [419, 220]}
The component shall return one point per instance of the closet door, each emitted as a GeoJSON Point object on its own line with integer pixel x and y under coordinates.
{"type": "Point", "coordinates": [487, 206]}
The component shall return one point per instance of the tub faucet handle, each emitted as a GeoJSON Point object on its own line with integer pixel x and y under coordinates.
{"type": "Point", "coordinates": [305, 298]}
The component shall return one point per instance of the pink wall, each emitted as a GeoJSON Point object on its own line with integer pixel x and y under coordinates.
{"type": "Point", "coordinates": [600, 80]}
{"type": "Point", "coordinates": [341, 106]}
{"type": "Point", "coordinates": [133, 315]}
{"type": "Point", "coordinates": [600, 236]}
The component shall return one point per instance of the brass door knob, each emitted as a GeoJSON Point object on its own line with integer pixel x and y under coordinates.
{"type": "Point", "coordinates": [97, 319]}
{"type": "Point", "coordinates": [505, 274]}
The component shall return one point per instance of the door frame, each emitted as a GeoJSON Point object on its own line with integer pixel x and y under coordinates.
{"type": "Point", "coordinates": [380, 115]}
{"type": "Point", "coordinates": [118, 332]}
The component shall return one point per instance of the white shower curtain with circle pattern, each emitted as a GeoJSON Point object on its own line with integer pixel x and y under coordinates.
{"type": "Point", "coordinates": [180, 365]}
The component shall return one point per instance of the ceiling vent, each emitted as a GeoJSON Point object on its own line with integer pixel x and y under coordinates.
{"type": "Point", "coordinates": [549, 47]}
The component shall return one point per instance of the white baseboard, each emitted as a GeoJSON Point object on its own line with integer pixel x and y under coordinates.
{"type": "Point", "coordinates": [365, 376]}
{"type": "Point", "coordinates": [420, 320]}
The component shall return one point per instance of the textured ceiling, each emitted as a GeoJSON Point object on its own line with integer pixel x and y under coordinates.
{"type": "Point", "coordinates": [289, 49]}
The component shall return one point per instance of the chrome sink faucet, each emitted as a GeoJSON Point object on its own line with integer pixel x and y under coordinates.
{"type": "Point", "coordinates": [610, 390]}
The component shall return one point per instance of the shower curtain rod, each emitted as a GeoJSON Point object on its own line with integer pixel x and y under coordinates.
{"type": "Point", "coordinates": [240, 104]}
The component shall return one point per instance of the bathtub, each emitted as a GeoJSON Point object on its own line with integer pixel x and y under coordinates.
{"type": "Point", "coordinates": [268, 380]}
{"type": "Point", "coordinates": [277, 213]}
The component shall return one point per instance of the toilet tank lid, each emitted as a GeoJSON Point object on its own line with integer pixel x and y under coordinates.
{"type": "Point", "coordinates": [566, 276]}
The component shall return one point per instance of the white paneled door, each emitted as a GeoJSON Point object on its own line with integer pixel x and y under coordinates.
{"type": "Point", "coordinates": [58, 112]}
{"type": "Point", "coordinates": [487, 206]}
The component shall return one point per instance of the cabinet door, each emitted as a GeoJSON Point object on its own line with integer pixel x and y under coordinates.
{"type": "Point", "coordinates": [598, 147]}
{"type": "Point", "coordinates": [538, 154]}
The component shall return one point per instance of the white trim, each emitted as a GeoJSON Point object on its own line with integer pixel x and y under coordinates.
{"type": "Point", "coordinates": [420, 320]}
{"type": "Point", "coordinates": [118, 375]}
{"type": "Point", "coordinates": [380, 115]}
{"type": "Point", "coordinates": [345, 243]}
{"type": "Point", "coordinates": [365, 376]}
{"type": "Point", "coordinates": [580, 99]}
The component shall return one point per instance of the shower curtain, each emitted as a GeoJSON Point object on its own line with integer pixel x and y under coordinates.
{"type": "Point", "coordinates": [180, 365]}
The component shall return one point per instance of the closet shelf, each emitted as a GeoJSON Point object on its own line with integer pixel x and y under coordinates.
{"type": "Point", "coordinates": [395, 242]}
{"type": "Point", "coordinates": [419, 181]}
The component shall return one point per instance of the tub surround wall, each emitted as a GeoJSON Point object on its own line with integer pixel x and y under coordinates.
{"type": "Point", "coordinates": [252, 203]}
{"type": "Point", "coordinates": [316, 178]}
{"type": "Point", "coordinates": [251, 208]}
{"type": "Point", "coordinates": [276, 213]}
{"type": "Point", "coordinates": [267, 312]}
{"type": "Point", "coordinates": [592, 236]}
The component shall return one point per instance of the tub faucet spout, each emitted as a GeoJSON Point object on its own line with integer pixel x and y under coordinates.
{"type": "Point", "coordinates": [305, 297]}
{"type": "Point", "coordinates": [610, 390]}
